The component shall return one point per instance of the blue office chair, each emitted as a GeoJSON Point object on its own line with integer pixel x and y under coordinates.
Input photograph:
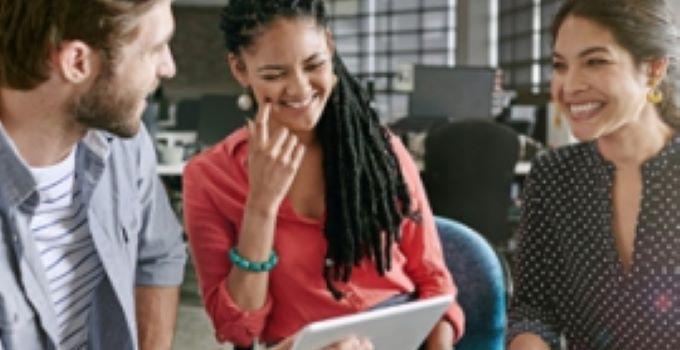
{"type": "Point", "coordinates": [478, 274]}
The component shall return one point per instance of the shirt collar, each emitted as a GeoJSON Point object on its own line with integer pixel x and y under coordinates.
{"type": "Point", "coordinates": [98, 142]}
{"type": "Point", "coordinates": [17, 183]}
{"type": "Point", "coordinates": [671, 150]}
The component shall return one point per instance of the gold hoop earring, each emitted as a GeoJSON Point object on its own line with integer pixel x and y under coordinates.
{"type": "Point", "coordinates": [655, 96]}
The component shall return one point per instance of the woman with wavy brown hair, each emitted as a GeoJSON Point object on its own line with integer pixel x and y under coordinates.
{"type": "Point", "coordinates": [599, 256]}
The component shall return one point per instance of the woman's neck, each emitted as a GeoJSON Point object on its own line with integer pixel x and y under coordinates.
{"type": "Point", "coordinates": [36, 123]}
{"type": "Point", "coordinates": [308, 138]}
{"type": "Point", "coordinates": [637, 141]}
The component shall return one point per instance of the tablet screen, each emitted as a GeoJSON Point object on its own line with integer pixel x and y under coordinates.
{"type": "Point", "coordinates": [401, 327]}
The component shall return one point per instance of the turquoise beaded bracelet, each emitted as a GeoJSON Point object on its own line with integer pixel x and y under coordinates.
{"type": "Point", "coordinates": [252, 266]}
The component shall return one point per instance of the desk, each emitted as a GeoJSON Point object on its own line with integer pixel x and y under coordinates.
{"type": "Point", "coordinates": [415, 144]}
{"type": "Point", "coordinates": [171, 169]}
{"type": "Point", "coordinates": [522, 168]}
{"type": "Point", "coordinates": [172, 138]}
{"type": "Point", "coordinates": [166, 141]}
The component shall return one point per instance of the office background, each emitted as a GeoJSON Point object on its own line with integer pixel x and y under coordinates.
{"type": "Point", "coordinates": [511, 34]}
{"type": "Point", "coordinates": [381, 41]}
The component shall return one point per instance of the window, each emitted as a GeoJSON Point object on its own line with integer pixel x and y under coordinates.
{"type": "Point", "coordinates": [377, 37]}
{"type": "Point", "coordinates": [516, 41]}
{"type": "Point", "coordinates": [549, 9]}
{"type": "Point", "coordinates": [525, 42]}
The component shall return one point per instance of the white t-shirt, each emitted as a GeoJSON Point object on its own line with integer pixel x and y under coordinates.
{"type": "Point", "coordinates": [62, 236]}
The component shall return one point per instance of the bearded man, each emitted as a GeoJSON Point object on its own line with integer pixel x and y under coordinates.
{"type": "Point", "coordinates": [91, 254]}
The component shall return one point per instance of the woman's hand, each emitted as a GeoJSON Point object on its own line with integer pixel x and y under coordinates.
{"type": "Point", "coordinates": [441, 337]}
{"type": "Point", "coordinates": [349, 343]}
{"type": "Point", "coordinates": [272, 166]}
{"type": "Point", "coordinates": [528, 341]}
{"type": "Point", "coordinates": [273, 162]}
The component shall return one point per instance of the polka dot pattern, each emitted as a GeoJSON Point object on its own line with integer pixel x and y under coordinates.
{"type": "Point", "coordinates": [568, 277]}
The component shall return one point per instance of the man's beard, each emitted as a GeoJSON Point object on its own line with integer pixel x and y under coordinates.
{"type": "Point", "coordinates": [109, 106]}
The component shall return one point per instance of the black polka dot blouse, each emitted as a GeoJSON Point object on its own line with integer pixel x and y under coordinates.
{"type": "Point", "coordinates": [568, 277]}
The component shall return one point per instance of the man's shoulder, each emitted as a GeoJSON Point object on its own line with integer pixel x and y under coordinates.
{"type": "Point", "coordinates": [133, 157]}
{"type": "Point", "coordinates": [101, 141]}
{"type": "Point", "coordinates": [139, 142]}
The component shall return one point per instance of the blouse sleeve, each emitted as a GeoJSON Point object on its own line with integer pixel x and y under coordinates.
{"type": "Point", "coordinates": [211, 235]}
{"type": "Point", "coordinates": [420, 244]}
{"type": "Point", "coordinates": [532, 308]}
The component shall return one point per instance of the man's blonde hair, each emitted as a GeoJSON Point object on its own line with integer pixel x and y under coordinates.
{"type": "Point", "coordinates": [31, 29]}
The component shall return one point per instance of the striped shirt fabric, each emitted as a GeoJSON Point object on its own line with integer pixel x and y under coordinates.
{"type": "Point", "coordinates": [62, 236]}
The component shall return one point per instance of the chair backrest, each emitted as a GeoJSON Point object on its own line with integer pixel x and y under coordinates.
{"type": "Point", "coordinates": [469, 170]}
{"type": "Point", "coordinates": [478, 274]}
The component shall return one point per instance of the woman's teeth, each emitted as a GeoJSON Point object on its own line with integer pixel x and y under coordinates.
{"type": "Point", "coordinates": [584, 108]}
{"type": "Point", "coordinates": [300, 104]}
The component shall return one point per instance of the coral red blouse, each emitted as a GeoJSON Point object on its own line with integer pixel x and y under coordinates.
{"type": "Point", "coordinates": [215, 191]}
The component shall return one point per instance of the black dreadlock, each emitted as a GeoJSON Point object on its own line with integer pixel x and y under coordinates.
{"type": "Point", "coordinates": [366, 196]}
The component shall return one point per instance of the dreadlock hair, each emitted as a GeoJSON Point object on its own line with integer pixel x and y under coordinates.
{"type": "Point", "coordinates": [366, 196]}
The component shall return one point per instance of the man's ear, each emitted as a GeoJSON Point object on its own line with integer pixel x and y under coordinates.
{"type": "Point", "coordinates": [75, 61]}
{"type": "Point", "coordinates": [238, 69]}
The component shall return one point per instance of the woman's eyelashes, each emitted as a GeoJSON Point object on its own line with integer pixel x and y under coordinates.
{"type": "Point", "coordinates": [315, 65]}
{"type": "Point", "coordinates": [272, 76]}
{"type": "Point", "coordinates": [560, 66]}
{"type": "Point", "coordinates": [311, 67]}
{"type": "Point", "coordinates": [596, 61]}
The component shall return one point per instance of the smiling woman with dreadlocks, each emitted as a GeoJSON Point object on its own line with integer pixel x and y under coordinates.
{"type": "Point", "coordinates": [313, 210]}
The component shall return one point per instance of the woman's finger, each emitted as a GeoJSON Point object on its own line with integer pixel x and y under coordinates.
{"type": "Point", "coordinates": [365, 344]}
{"type": "Point", "coordinates": [251, 129]}
{"type": "Point", "coordinates": [281, 137]}
{"type": "Point", "coordinates": [262, 123]}
{"type": "Point", "coordinates": [298, 155]}
{"type": "Point", "coordinates": [288, 148]}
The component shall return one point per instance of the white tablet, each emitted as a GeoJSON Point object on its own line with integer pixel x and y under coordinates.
{"type": "Point", "coordinates": [401, 327]}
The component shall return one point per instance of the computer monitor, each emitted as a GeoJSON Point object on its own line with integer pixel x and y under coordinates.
{"type": "Point", "coordinates": [187, 112]}
{"type": "Point", "coordinates": [219, 116]}
{"type": "Point", "coordinates": [452, 92]}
